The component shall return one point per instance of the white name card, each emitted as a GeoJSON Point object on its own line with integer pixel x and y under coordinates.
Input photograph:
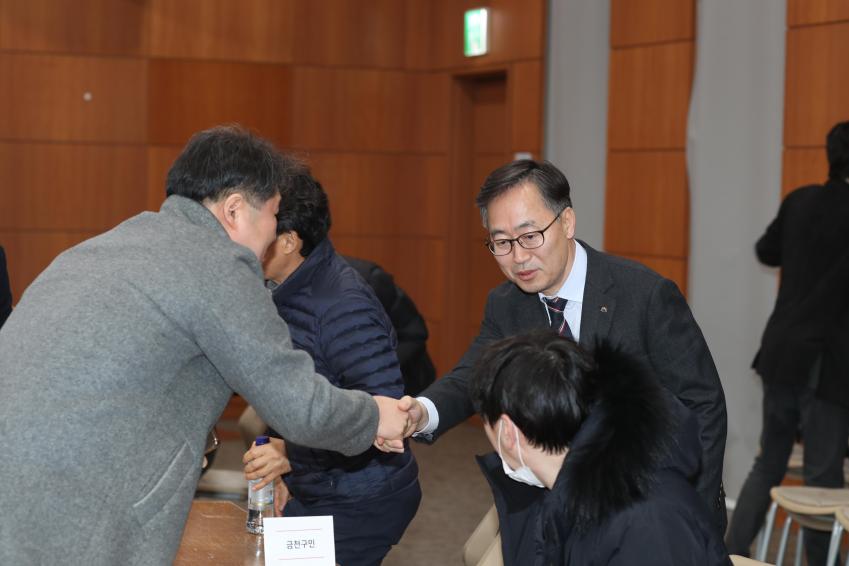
{"type": "Point", "coordinates": [299, 541]}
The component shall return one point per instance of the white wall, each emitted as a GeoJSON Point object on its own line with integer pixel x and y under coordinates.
{"type": "Point", "coordinates": [576, 105]}
{"type": "Point", "coordinates": [734, 157]}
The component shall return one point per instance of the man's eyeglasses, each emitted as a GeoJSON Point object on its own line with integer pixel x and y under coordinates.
{"type": "Point", "coordinates": [528, 240]}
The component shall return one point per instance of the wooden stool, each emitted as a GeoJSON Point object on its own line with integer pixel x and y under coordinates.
{"type": "Point", "coordinates": [811, 507]}
{"type": "Point", "coordinates": [841, 522]}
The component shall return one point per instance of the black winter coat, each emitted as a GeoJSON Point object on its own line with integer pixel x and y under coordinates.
{"type": "Point", "coordinates": [809, 240]}
{"type": "Point", "coordinates": [416, 366]}
{"type": "Point", "coordinates": [623, 495]}
{"type": "Point", "coordinates": [335, 317]}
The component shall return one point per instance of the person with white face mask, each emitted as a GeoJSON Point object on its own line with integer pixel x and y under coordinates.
{"type": "Point", "coordinates": [594, 459]}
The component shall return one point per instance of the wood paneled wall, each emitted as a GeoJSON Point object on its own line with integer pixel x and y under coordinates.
{"type": "Point", "coordinates": [651, 73]}
{"type": "Point", "coordinates": [816, 91]}
{"type": "Point", "coordinates": [97, 97]}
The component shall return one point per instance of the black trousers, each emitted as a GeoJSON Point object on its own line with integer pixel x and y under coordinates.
{"type": "Point", "coordinates": [365, 531]}
{"type": "Point", "coordinates": [825, 428]}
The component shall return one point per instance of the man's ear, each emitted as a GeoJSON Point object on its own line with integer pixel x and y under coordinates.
{"type": "Point", "coordinates": [567, 217]}
{"type": "Point", "coordinates": [232, 208]}
{"type": "Point", "coordinates": [290, 242]}
{"type": "Point", "coordinates": [508, 433]}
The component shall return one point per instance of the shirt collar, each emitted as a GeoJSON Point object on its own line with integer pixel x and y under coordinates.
{"type": "Point", "coordinates": [573, 288]}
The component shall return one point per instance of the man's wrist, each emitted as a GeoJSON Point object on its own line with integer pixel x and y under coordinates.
{"type": "Point", "coordinates": [432, 417]}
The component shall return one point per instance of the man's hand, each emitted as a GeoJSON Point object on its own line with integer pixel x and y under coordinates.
{"type": "Point", "coordinates": [394, 423]}
{"type": "Point", "coordinates": [268, 462]}
{"type": "Point", "coordinates": [416, 420]}
{"type": "Point", "coordinates": [417, 412]}
{"type": "Point", "coordinates": [281, 496]}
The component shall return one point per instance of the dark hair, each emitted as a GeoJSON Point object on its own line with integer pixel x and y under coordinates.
{"type": "Point", "coordinates": [542, 381]}
{"type": "Point", "coordinates": [548, 179]}
{"type": "Point", "coordinates": [222, 160]}
{"type": "Point", "coordinates": [304, 209]}
{"type": "Point", "coordinates": [837, 149]}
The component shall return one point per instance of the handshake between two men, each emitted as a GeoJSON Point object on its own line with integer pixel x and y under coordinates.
{"type": "Point", "coordinates": [399, 419]}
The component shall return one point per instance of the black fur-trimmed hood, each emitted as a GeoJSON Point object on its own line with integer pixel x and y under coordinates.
{"type": "Point", "coordinates": [635, 429]}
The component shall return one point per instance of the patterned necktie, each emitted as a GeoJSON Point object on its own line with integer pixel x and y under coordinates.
{"type": "Point", "coordinates": [557, 312]}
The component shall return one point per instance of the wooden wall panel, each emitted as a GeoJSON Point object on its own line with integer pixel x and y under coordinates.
{"type": "Point", "coordinates": [188, 96]}
{"type": "Point", "coordinates": [248, 30]}
{"type": "Point", "coordinates": [419, 18]}
{"type": "Point", "coordinates": [816, 94]}
{"type": "Point", "coordinates": [674, 269]}
{"type": "Point", "coordinates": [159, 161]}
{"type": "Point", "coordinates": [369, 110]}
{"type": "Point", "coordinates": [649, 93]}
{"type": "Point", "coordinates": [73, 26]}
{"type": "Point", "coordinates": [482, 166]}
{"type": "Point", "coordinates": [650, 21]}
{"type": "Point", "coordinates": [647, 204]}
{"type": "Point", "coordinates": [28, 253]}
{"type": "Point", "coordinates": [527, 86]}
{"type": "Point", "coordinates": [418, 265]}
{"type": "Point", "coordinates": [435, 33]}
{"type": "Point", "coordinates": [803, 167]}
{"type": "Point", "coordinates": [490, 133]}
{"type": "Point", "coordinates": [349, 33]}
{"type": "Point", "coordinates": [484, 275]}
{"type": "Point", "coordinates": [44, 95]}
{"type": "Point", "coordinates": [384, 194]}
{"type": "Point", "coordinates": [647, 212]}
{"type": "Point", "coordinates": [805, 12]}
{"type": "Point", "coordinates": [70, 187]}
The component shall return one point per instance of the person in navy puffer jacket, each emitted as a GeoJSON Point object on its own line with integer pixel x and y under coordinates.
{"type": "Point", "coordinates": [335, 316]}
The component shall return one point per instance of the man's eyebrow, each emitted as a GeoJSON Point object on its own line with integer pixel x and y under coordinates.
{"type": "Point", "coordinates": [520, 229]}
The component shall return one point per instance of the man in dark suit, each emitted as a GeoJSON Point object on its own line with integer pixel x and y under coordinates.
{"type": "Point", "coordinates": [557, 281]}
{"type": "Point", "coordinates": [804, 354]}
{"type": "Point", "coordinates": [5, 290]}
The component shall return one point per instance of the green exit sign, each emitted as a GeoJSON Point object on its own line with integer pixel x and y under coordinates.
{"type": "Point", "coordinates": [475, 39]}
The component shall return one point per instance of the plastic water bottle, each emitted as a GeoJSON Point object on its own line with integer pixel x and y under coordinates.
{"type": "Point", "coordinates": [260, 502]}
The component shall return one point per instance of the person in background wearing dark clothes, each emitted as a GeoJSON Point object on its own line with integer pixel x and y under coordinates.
{"type": "Point", "coordinates": [416, 365]}
{"type": "Point", "coordinates": [334, 316]}
{"type": "Point", "coordinates": [804, 354]}
{"type": "Point", "coordinates": [615, 450]}
{"type": "Point", "coordinates": [5, 290]}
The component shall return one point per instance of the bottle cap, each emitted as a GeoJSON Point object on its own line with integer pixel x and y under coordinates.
{"type": "Point", "coordinates": [260, 440]}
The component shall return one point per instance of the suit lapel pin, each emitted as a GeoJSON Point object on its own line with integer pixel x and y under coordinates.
{"type": "Point", "coordinates": [603, 309]}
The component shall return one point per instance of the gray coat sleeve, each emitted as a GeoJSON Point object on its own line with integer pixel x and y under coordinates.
{"type": "Point", "coordinates": [241, 333]}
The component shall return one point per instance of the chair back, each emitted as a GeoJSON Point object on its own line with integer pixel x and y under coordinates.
{"type": "Point", "coordinates": [481, 540]}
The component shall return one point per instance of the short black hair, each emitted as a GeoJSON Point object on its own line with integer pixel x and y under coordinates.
{"type": "Point", "coordinates": [837, 149]}
{"type": "Point", "coordinates": [545, 383]}
{"type": "Point", "coordinates": [226, 159]}
{"type": "Point", "coordinates": [304, 209]}
{"type": "Point", "coordinates": [548, 179]}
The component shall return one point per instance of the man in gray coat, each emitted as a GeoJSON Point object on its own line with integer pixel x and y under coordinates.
{"type": "Point", "coordinates": [122, 354]}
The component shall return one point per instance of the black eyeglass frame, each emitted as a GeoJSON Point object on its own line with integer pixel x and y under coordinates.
{"type": "Point", "coordinates": [490, 243]}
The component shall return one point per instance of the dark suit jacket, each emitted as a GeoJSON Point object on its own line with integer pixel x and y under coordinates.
{"type": "Point", "coordinates": [633, 308]}
{"type": "Point", "coordinates": [809, 240]}
{"type": "Point", "coordinates": [5, 290]}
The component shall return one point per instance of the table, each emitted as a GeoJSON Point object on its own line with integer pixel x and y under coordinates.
{"type": "Point", "coordinates": [215, 534]}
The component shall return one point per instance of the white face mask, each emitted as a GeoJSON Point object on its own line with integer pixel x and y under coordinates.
{"type": "Point", "coordinates": [524, 474]}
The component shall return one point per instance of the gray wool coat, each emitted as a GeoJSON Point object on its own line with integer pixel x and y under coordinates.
{"type": "Point", "coordinates": [114, 366]}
